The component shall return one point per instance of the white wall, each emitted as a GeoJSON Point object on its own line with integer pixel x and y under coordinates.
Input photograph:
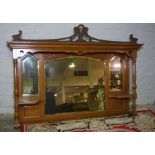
{"type": "Point", "coordinates": [145, 62]}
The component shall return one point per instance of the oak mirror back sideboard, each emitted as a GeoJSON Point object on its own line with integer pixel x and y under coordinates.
{"type": "Point", "coordinates": [73, 78]}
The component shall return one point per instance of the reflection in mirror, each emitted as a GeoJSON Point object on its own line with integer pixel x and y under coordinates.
{"type": "Point", "coordinates": [115, 73]}
{"type": "Point", "coordinates": [74, 84]}
{"type": "Point", "coordinates": [30, 75]}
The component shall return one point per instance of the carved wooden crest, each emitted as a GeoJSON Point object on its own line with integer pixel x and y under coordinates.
{"type": "Point", "coordinates": [80, 34]}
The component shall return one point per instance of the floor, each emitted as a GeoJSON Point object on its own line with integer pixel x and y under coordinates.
{"type": "Point", "coordinates": [7, 123]}
{"type": "Point", "coordinates": [7, 120]}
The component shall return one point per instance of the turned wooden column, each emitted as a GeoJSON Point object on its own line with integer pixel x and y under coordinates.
{"type": "Point", "coordinates": [134, 84]}
{"type": "Point", "coordinates": [16, 94]}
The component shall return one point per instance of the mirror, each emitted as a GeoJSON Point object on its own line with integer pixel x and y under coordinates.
{"type": "Point", "coordinates": [74, 84]}
{"type": "Point", "coordinates": [30, 75]}
{"type": "Point", "coordinates": [115, 73]}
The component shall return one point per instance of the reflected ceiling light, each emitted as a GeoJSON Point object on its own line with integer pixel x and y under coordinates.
{"type": "Point", "coordinates": [112, 58]}
{"type": "Point", "coordinates": [117, 65]}
{"type": "Point", "coordinates": [55, 94]}
{"type": "Point", "coordinates": [71, 65]}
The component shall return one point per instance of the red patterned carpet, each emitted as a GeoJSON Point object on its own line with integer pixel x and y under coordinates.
{"type": "Point", "coordinates": [144, 122]}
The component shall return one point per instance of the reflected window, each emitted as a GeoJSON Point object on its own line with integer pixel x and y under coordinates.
{"type": "Point", "coordinates": [74, 84]}
{"type": "Point", "coordinates": [30, 75]}
{"type": "Point", "coordinates": [115, 73]}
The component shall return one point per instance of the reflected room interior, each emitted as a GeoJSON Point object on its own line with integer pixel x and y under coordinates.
{"type": "Point", "coordinates": [30, 75]}
{"type": "Point", "coordinates": [115, 73]}
{"type": "Point", "coordinates": [74, 84]}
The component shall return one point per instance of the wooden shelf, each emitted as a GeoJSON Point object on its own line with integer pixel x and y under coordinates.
{"type": "Point", "coordinates": [28, 102]}
{"type": "Point", "coordinates": [124, 96]}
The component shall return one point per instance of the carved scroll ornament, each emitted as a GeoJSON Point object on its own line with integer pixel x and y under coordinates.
{"type": "Point", "coordinates": [80, 35]}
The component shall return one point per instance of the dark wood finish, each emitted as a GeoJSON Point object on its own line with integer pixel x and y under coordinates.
{"type": "Point", "coordinates": [31, 108]}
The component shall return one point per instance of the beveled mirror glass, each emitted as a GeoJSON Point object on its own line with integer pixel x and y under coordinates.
{"type": "Point", "coordinates": [74, 84]}
{"type": "Point", "coordinates": [115, 73]}
{"type": "Point", "coordinates": [30, 75]}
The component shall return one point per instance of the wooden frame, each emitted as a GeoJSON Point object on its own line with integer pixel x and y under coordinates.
{"type": "Point", "coordinates": [30, 109]}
